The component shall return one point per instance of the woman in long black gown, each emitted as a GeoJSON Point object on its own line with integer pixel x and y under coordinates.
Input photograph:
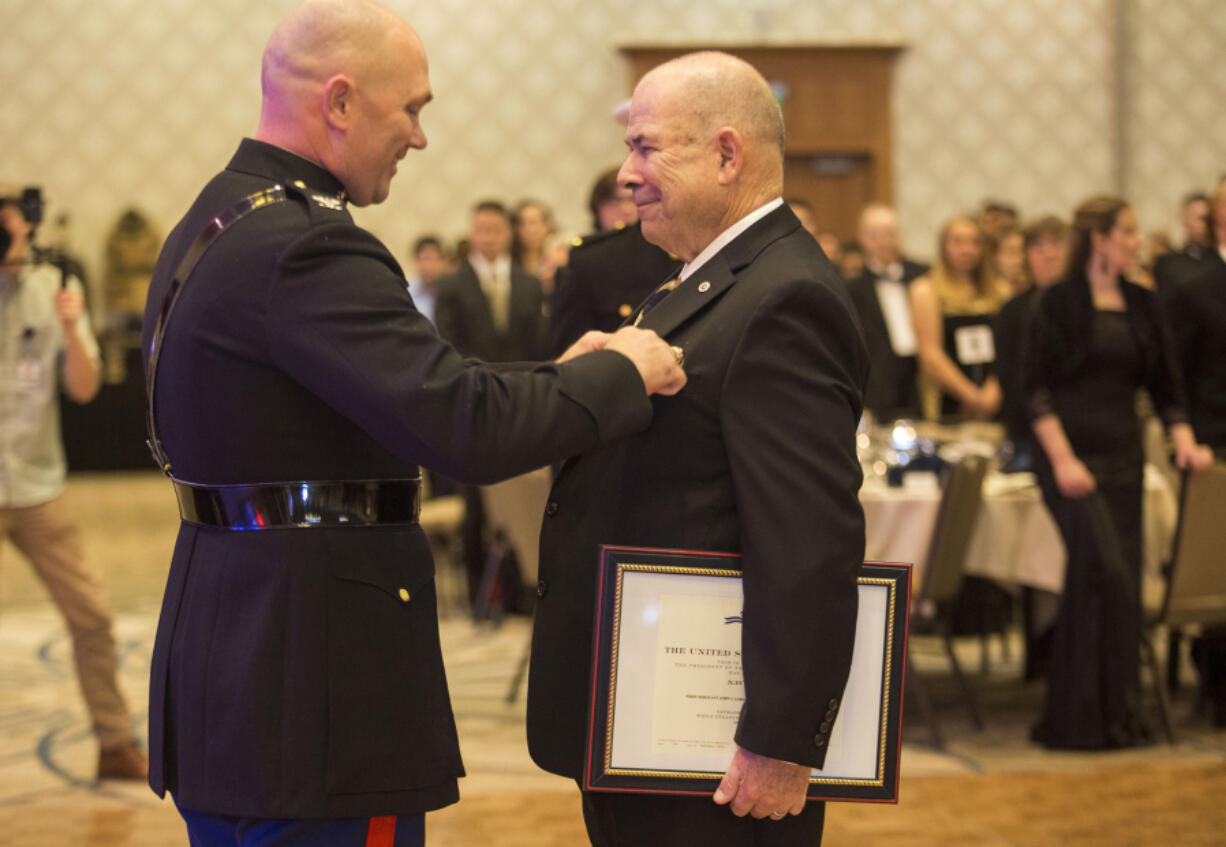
{"type": "Point", "coordinates": [1097, 339]}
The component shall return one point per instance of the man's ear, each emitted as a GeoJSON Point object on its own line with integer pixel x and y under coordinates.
{"type": "Point", "coordinates": [338, 101]}
{"type": "Point", "coordinates": [731, 149]}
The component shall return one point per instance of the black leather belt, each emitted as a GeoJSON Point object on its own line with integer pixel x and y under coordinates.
{"type": "Point", "coordinates": [278, 505]}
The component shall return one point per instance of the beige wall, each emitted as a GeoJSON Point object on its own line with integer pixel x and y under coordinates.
{"type": "Point", "coordinates": [111, 103]}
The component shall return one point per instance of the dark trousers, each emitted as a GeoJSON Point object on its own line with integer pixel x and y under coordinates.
{"type": "Point", "coordinates": [218, 830]}
{"type": "Point", "coordinates": [636, 820]}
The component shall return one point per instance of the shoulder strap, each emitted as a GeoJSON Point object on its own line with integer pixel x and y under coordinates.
{"type": "Point", "coordinates": [215, 227]}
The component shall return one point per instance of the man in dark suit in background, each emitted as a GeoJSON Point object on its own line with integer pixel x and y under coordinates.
{"type": "Point", "coordinates": [756, 456]}
{"type": "Point", "coordinates": [1197, 253]}
{"type": "Point", "coordinates": [880, 296]}
{"type": "Point", "coordinates": [490, 307]}
{"type": "Point", "coordinates": [297, 690]}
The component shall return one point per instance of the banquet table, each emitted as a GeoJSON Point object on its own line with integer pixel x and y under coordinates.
{"type": "Point", "coordinates": [1014, 540]}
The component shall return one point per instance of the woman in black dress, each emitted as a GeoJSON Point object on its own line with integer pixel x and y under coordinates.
{"type": "Point", "coordinates": [1096, 340]}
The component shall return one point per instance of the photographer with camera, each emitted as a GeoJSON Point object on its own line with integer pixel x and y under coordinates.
{"type": "Point", "coordinates": [45, 341]}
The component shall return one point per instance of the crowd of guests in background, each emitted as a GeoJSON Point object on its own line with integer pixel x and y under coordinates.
{"type": "Point", "coordinates": [1055, 327]}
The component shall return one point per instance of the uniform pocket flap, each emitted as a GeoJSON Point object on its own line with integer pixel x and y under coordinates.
{"type": "Point", "coordinates": [397, 561]}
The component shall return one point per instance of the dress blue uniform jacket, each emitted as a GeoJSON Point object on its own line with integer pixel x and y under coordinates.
{"type": "Point", "coordinates": [290, 677]}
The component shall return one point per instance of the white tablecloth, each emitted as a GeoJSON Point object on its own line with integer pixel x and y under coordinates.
{"type": "Point", "coordinates": [1015, 540]}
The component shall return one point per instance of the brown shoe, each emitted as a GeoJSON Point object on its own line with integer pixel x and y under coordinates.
{"type": "Point", "coordinates": [123, 762]}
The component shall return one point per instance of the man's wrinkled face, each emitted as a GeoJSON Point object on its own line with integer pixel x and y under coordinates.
{"type": "Point", "coordinates": [491, 234]}
{"type": "Point", "coordinates": [671, 172]}
{"type": "Point", "coordinates": [387, 122]}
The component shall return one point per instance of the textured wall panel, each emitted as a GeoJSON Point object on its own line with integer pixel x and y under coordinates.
{"type": "Point", "coordinates": [1176, 117]}
{"type": "Point", "coordinates": [112, 103]}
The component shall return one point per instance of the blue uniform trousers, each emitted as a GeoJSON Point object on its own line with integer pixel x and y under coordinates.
{"type": "Point", "coordinates": [221, 831]}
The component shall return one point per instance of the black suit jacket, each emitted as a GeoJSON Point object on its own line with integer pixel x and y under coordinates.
{"type": "Point", "coordinates": [892, 388]}
{"type": "Point", "coordinates": [289, 679]}
{"type": "Point", "coordinates": [608, 274]}
{"type": "Point", "coordinates": [755, 455]}
{"type": "Point", "coordinates": [1196, 312]}
{"type": "Point", "coordinates": [463, 317]}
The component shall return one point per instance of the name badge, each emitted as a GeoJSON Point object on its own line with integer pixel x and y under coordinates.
{"type": "Point", "coordinates": [974, 345]}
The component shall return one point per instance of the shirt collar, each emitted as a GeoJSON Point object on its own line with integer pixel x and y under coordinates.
{"type": "Point", "coordinates": [499, 269]}
{"type": "Point", "coordinates": [892, 271]}
{"type": "Point", "coordinates": [728, 236]}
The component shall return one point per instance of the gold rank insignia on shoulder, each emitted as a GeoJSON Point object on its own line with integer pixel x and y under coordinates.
{"type": "Point", "coordinates": [336, 204]}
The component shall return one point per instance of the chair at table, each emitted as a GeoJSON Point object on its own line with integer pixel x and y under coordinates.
{"type": "Point", "coordinates": [942, 576]}
{"type": "Point", "coordinates": [442, 519]}
{"type": "Point", "coordinates": [514, 509]}
{"type": "Point", "coordinates": [1196, 575]}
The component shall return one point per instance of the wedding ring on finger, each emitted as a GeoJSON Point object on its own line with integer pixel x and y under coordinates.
{"type": "Point", "coordinates": [678, 354]}
{"type": "Point", "coordinates": [778, 815]}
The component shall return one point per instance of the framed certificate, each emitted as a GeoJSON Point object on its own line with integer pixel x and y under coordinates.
{"type": "Point", "coordinates": [667, 688]}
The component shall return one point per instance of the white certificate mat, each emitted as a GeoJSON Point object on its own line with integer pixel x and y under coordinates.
{"type": "Point", "coordinates": [668, 690]}
{"type": "Point", "coordinates": [679, 711]}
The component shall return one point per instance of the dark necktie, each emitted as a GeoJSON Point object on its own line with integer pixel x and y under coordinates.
{"type": "Point", "coordinates": [655, 298]}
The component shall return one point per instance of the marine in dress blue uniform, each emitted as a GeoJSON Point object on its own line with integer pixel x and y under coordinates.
{"type": "Point", "coordinates": [296, 678]}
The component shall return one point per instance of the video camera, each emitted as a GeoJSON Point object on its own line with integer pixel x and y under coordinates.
{"type": "Point", "coordinates": [30, 203]}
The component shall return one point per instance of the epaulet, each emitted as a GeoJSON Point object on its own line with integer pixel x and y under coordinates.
{"type": "Point", "coordinates": [317, 199]}
{"type": "Point", "coordinates": [597, 237]}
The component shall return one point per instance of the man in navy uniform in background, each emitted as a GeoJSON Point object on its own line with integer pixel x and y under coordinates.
{"type": "Point", "coordinates": [608, 272]}
{"type": "Point", "coordinates": [297, 691]}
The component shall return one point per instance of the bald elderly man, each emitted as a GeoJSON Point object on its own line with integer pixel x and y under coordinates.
{"type": "Point", "coordinates": [756, 456]}
{"type": "Point", "coordinates": [880, 298]}
{"type": "Point", "coordinates": [297, 692]}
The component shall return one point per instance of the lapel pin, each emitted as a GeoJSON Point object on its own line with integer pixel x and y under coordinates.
{"type": "Point", "coordinates": [704, 287]}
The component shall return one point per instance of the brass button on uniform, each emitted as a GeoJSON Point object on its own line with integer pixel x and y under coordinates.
{"type": "Point", "coordinates": [541, 589]}
{"type": "Point", "coordinates": [624, 310]}
{"type": "Point", "coordinates": [404, 595]}
{"type": "Point", "coordinates": [551, 508]}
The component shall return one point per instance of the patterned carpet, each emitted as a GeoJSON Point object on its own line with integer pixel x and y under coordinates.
{"type": "Point", "coordinates": [990, 788]}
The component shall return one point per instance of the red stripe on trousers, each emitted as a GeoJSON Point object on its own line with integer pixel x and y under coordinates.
{"type": "Point", "coordinates": [382, 832]}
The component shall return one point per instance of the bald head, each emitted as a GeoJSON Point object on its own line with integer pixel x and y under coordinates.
{"type": "Point", "coordinates": [706, 148]}
{"type": "Point", "coordinates": [322, 38]}
{"type": "Point", "coordinates": [712, 89]}
{"type": "Point", "coordinates": [344, 82]}
{"type": "Point", "coordinates": [878, 234]}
